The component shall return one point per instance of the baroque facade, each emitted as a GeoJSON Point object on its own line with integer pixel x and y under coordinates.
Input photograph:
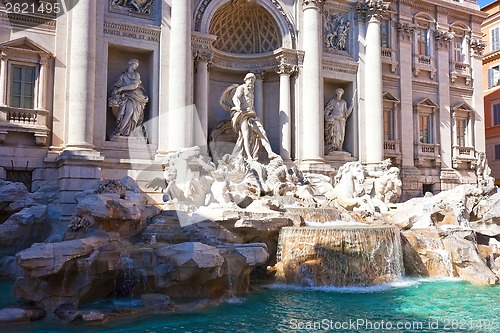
{"type": "Point", "coordinates": [409, 72]}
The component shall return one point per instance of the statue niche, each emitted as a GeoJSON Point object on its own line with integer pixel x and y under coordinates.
{"type": "Point", "coordinates": [127, 101]}
{"type": "Point", "coordinates": [336, 114]}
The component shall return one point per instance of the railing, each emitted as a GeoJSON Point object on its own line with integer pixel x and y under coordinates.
{"type": "Point", "coordinates": [386, 52]}
{"type": "Point", "coordinates": [424, 60]}
{"type": "Point", "coordinates": [389, 145]}
{"type": "Point", "coordinates": [24, 120]}
{"type": "Point", "coordinates": [461, 67]}
{"type": "Point", "coordinates": [466, 151]}
{"type": "Point", "coordinates": [427, 149]}
{"type": "Point", "coordinates": [22, 117]}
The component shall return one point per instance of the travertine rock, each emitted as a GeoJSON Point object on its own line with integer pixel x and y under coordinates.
{"type": "Point", "coordinates": [439, 253]}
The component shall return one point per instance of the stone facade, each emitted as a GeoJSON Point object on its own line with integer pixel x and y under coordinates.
{"type": "Point", "coordinates": [411, 69]}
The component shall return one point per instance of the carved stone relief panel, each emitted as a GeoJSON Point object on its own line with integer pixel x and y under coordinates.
{"type": "Point", "coordinates": [137, 8]}
{"type": "Point", "coordinates": [337, 30]}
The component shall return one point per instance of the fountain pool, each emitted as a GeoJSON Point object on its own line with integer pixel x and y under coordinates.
{"type": "Point", "coordinates": [427, 305]}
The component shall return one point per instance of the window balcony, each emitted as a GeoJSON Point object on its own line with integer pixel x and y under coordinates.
{"type": "Point", "coordinates": [389, 57]}
{"type": "Point", "coordinates": [424, 63]}
{"type": "Point", "coordinates": [427, 154]}
{"type": "Point", "coordinates": [463, 157]}
{"type": "Point", "coordinates": [460, 69]}
{"type": "Point", "coordinates": [24, 121]}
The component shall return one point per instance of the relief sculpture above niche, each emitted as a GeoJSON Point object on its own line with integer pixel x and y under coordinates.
{"type": "Point", "coordinates": [139, 8]}
{"type": "Point", "coordinates": [335, 31]}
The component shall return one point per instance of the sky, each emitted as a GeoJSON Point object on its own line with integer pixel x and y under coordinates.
{"type": "Point", "coordinates": [483, 3]}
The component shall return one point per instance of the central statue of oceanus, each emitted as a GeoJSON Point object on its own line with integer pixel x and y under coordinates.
{"type": "Point", "coordinates": [238, 100]}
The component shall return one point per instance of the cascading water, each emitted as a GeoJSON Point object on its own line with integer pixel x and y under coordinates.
{"type": "Point", "coordinates": [129, 277]}
{"type": "Point", "coordinates": [339, 256]}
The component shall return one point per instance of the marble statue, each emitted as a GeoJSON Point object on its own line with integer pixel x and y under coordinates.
{"type": "Point", "coordinates": [386, 189]}
{"type": "Point", "coordinates": [336, 114]}
{"type": "Point", "coordinates": [483, 172]}
{"type": "Point", "coordinates": [127, 101]}
{"type": "Point", "coordinates": [239, 101]}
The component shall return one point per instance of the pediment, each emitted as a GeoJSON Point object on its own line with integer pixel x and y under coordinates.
{"type": "Point", "coordinates": [24, 44]}
{"type": "Point", "coordinates": [428, 103]}
{"type": "Point", "coordinates": [463, 107]}
{"type": "Point", "coordinates": [387, 96]}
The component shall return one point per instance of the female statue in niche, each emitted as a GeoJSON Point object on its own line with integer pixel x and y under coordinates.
{"type": "Point", "coordinates": [127, 101]}
{"type": "Point", "coordinates": [336, 114]}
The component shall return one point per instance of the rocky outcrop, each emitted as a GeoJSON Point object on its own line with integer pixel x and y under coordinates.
{"type": "Point", "coordinates": [15, 196]}
{"type": "Point", "coordinates": [115, 206]}
{"type": "Point", "coordinates": [28, 226]}
{"type": "Point", "coordinates": [445, 253]}
{"type": "Point", "coordinates": [99, 266]}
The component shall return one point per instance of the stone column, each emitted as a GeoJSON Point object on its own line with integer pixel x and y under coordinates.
{"type": "Point", "coordinates": [3, 79]}
{"type": "Point", "coordinates": [180, 90]}
{"type": "Point", "coordinates": [374, 112]}
{"type": "Point", "coordinates": [443, 41]}
{"type": "Point", "coordinates": [285, 71]}
{"type": "Point", "coordinates": [202, 59]}
{"type": "Point", "coordinates": [81, 85]}
{"type": "Point", "coordinates": [311, 126]}
{"type": "Point", "coordinates": [477, 46]}
{"type": "Point", "coordinates": [259, 95]}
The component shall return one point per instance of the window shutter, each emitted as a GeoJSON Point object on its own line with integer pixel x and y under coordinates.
{"type": "Point", "coordinates": [490, 78]}
{"type": "Point", "coordinates": [495, 40]}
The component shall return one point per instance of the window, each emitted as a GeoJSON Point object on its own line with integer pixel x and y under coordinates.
{"type": "Point", "coordinates": [425, 126]}
{"type": "Point", "coordinates": [384, 34]}
{"type": "Point", "coordinates": [463, 152]}
{"type": "Point", "coordinates": [22, 89]}
{"type": "Point", "coordinates": [25, 78]}
{"type": "Point", "coordinates": [461, 131]}
{"type": "Point", "coordinates": [428, 188]}
{"type": "Point", "coordinates": [497, 152]}
{"type": "Point", "coordinates": [423, 42]}
{"type": "Point", "coordinates": [389, 124]}
{"type": "Point", "coordinates": [496, 114]}
{"type": "Point", "coordinates": [495, 39]}
{"type": "Point", "coordinates": [493, 76]}
{"type": "Point", "coordinates": [459, 49]}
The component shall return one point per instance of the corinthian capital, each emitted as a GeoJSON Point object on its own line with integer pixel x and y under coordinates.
{"type": "Point", "coordinates": [477, 46]}
{"type": "Point", "coordinates": [312, 4]}
{"type": "Point", "coordinates": [372, 8]}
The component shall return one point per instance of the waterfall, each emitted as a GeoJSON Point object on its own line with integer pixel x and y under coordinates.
{"type": "Point", "coordinates": [130, 276]}
{"type": "Point", "coordinates": [339, 256]}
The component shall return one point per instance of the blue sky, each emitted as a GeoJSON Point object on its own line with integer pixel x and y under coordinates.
{"type": "Point", "coordinates": [483, 3]}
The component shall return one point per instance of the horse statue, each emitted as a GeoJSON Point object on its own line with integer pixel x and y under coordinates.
{"type": "Point", "coordinates": [348, 190]}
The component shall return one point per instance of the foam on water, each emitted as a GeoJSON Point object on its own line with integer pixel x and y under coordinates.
{"type": "Point", "coordinates": [335, 223]}
{"type": "Point", "coordinates": [350, 289]}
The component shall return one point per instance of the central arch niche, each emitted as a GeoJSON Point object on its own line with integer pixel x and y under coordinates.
{"type": "Point", "coordinates": [244, 28]}
{"type": "Point", "coordinates": [249, 37]}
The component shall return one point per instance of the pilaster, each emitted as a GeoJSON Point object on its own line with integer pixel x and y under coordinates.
{"type": "Point", "coordinates": [405, 33]}
{"type": "Point", "coordinates": [443, 40]}
{"type": "Point", "coordinates": [477, 46]}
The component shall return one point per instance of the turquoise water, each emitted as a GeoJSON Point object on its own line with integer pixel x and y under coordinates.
{"type": "Point", "coordinates": [410, 306]}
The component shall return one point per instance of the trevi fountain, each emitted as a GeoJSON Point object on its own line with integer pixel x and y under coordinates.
{"type": "Point", "coordinates": [248, 243]}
